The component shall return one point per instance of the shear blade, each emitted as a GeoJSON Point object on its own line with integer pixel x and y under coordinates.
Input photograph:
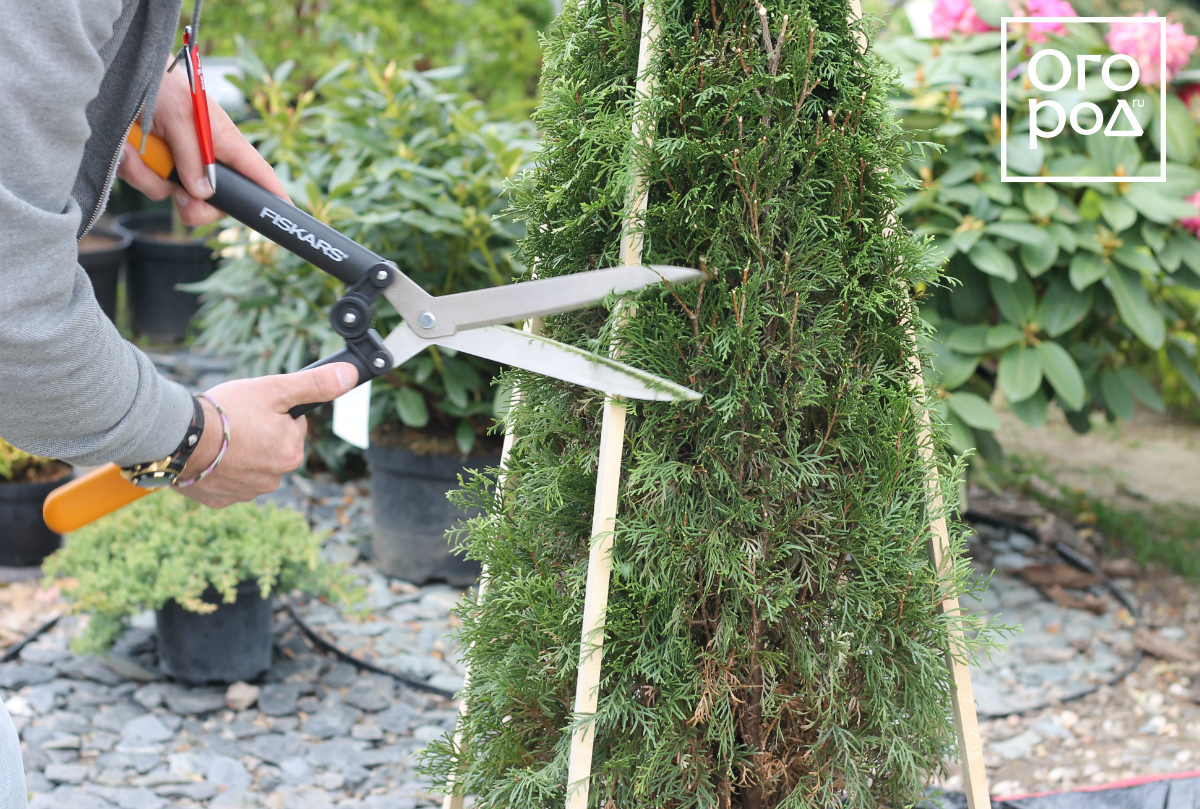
{"type": "Point", "coordinates": [541, 355]}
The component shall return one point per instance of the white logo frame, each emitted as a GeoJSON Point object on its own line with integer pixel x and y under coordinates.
{"type": "Point", "coordinates": [1162, 118]}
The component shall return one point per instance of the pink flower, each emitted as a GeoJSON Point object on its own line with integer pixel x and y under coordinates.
{"type": "Point", "coordinates": [1047, 8]}
{"type": "Point", "coordinates": [1141, 41]}
{"type": "Point", "coordinates": [1192, 223]}
{"type": "Point", "coordinates": [956, 15]}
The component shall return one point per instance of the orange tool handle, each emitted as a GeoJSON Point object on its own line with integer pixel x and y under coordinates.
{"type": "Point", "coordinates": [157, 155]}
{"type": "Point", "coordinates": [99, 492]}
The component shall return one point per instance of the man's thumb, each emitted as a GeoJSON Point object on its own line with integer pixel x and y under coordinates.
{"type": "Point", "coordinates": [322, 384]}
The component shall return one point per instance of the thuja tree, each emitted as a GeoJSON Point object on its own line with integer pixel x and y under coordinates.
{"type": "Point", "coordinates": [773, 635]}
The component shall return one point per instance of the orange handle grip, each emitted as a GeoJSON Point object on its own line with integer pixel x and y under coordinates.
{"type": "Point", "coordinates": [157, 155]}
{"type": "Point", "coordinates": [89, 498]}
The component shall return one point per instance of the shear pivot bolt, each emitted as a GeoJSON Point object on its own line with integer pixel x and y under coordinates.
{"type": "Point", "coordinates": [378, 362]}
{"type": "Point", "coordinates": [382, 275]}
{"type": "Point", "coordinates": [349, 318]}
{"type": "Point", "coordinates": [427, 320]}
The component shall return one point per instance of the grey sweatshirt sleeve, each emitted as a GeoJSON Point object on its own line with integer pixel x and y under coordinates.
{"type": "Point", "coordinates": [70, 386]}
{"type": "Point", "coordinates": [12, 768]}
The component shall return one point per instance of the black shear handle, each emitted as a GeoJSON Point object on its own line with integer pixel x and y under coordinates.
{"type": "Point", "coordinates": [291, 228]}
{"type": "Point", "coordinates": [345, 355]}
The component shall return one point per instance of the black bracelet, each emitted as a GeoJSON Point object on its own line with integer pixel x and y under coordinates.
{"type": "Point", "coordinates": [166, 471]}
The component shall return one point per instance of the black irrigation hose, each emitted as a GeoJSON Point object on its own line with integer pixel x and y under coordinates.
{"type": "Point", "coordinates": [346, 657]}
{"type": "Point", "coordinates": [1083, 563]}
{"type": "Point", "coordinates": [15, 650]}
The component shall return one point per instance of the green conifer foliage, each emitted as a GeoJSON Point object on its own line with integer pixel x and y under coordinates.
{"type": "Point", "coordinates": [773, 632]}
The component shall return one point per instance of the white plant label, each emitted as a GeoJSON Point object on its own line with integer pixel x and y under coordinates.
{"type": "Point", "coordinates": [352, 416]}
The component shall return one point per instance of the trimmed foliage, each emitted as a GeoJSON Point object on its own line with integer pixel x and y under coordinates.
{"type": "Point", "coordinates": [773, 632]}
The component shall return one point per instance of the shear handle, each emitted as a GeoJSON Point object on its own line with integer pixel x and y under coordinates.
{"type": "Point", "coordinates": [273, 217]}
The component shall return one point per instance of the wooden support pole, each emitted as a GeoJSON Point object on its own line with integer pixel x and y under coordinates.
{"type": "Point", "coordinates": [608, 472]}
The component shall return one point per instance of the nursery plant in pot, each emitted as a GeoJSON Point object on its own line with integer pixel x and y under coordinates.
{"type": "Point", "coordinates": [161, 258]}
{"type": "Point", "coordinates": [209, 575]}
{"type": "Point", "coordinates": [418, 177]}
{"type": "Point", "coordinates": [101, 253]}
{"type": "Point", "coordinates": [25, 480]}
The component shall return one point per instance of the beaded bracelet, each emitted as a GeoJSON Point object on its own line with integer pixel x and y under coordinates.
{"type": "Point", "coordinates": [224, 445]}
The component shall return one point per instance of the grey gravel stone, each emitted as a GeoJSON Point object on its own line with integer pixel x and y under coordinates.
{"type": "Point", "coordinates": [67, 797]}
{"type": "Point", "coordinates": [197, 792]}
{"type": "Point", "coordinates": [235, 799]}
{"type": "Point", "coordinates": [448, 682]}
{"type": "Point", "coordinates": [129, 797]}
{"type": "Point", "coordinates": [241, 729]}
{"type": "Point", "coordinates": [295, 771]}
{"type": "Point", "coordinates": [101, 740]}
{"type": "Point", "coordinates": [66, 722]}
{"type": "Point", "coordinates": [147, 729]}
{"type": "Point", "coordinates": [397, 719]}
{"type": "Point", "coordinates": [90, 693]}
{"type": "Point", "coordinates": [225, 771]}
{"type": "Point", "coordinates": [46, 697]}
{"type": "Point", "coordinates": [335, 755]}
{"type": "Point", "coordinates": [427, 733]}
{"type": "Point", "coordinates": [88, 668]}
{"type": "Point", "coordinates": [43, 655]}
{"type": "Point", "coordinates": [279, 699]}
{"type": "Point", "coordinates": [15, 676]}
{"type": "Point", "coordinates": [117, 716]}
{"type": "Point", "coordinates": [336, 720]}
{"type": "Point", "coordinates": [367, 731]}
{"type": "Point", "coordinates": [160, 778]}
{"type": "Point", "coordinates": [66, 773]}
{"type": "Point", "coordinates": [419, 666]}
{"type": "Point", "coordinates": [141, 762]}
{"type": "Point", "coordinates": [274, 747]}
{"type": "Point", "coordinates": [382, 755]}
{"type": "Point", "coordinates": [112, 778]}
{"type": "Point", "coordinates": [192, 701]}
{"type": "Point", "coordinates": [36, 782]}
{"type": "Point", "coordinates": [340, 675]}
{"type": "Point", "coordinates": [150, 696]}
{"type": "Point", "coordinates": [1018, 747]}
{"type": "Point", "coordinates": [371, 693]}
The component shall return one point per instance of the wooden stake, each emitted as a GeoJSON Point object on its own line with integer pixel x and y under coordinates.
{"type": "Point", "coordinates": [962, 695]}
{"type": "Point", "coordinates": [608, 474]}
{"type": "Point", "coordinates": [453, 799]}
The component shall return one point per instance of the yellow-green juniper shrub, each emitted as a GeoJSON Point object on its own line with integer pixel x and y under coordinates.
{"type": "Point", "coordinates": [166, 547]}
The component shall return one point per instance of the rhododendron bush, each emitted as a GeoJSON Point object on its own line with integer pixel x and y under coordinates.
{"type": "Point", "coordinates": [1080, 294]}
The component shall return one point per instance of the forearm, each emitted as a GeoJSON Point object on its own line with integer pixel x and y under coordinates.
{"type": "Point", "coordinates": [70, 386]}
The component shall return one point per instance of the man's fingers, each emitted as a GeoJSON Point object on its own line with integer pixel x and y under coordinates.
{"type": "Point", "coordinates": [317, 385]}
{"type": "Point", "coordinates": [195, 212]}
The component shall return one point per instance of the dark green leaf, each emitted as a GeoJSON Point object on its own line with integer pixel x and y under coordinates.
{"type": "Point", "coordinates": [1033, 410]}
{"type": "Point", "coordinates": [962, 439]}
{"type": "Point", "coordinates": [1189, 250]}
{"type": "Point", "coordinates": [464, 436]}
{"type": "Point", "coordinates": [1038, 259]}
{"type": "Point", "coordinates": [1136, 259]}
{"type": "Point", "coordinates": [992, 260]}
{"type": "Point", "coordinates": [1016, 300]}
{"type": "Point", "coordinates": [1142, 389]}
{"type": "Point", "coordinates": [974, 410]}
{"type": "Point", "coordinates": [1134, 305]}
{"type": "Point", "coordinates": [1040, 199]}
{"type": "Point", "coordinates": [1186, 369]}
{"type": "Point", "coordinates": [1117, 397]}
{"type": "Point", "coordinates": [1003, 336]}
{"type": "Point", "coordinates": [1062, 374]}
{"type": "Point", "coordinates": [1021, 232]}
{"type": "Point", "coordinates": [969, 340]}
{"type": "Point", "coordinates": [1063, 307]}
{"type": "Point", "coordinates": [1157, 207]}
{"type": "Point", "coordinates": [410, 407]}
{"type": "Point", "coordinates": [1064, 235]}
{"type": "Point", "coordinates": [1117, 213]}
{"type": "Point", "coordinates": [1087, 269]}
{"type": "Point", "coordinates": [960, 172]}
{"type": "Point", "coordinates": [1020, 373]}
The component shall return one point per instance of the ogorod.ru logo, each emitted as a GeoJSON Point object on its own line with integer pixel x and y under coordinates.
{"type": "Point", "coordinates": [1061, 101]}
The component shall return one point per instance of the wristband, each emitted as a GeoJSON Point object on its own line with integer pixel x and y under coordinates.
{"type": "Point", "coordinates": [165, 472]}
{"type": "Point", "coordinates": [181, 484]}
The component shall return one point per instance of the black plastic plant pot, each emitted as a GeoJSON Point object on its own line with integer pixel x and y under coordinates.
{"type": "Point", "coordinates": [231, 643]}
{"type": "Point", "coordinates": [101, 252]}
{"type": "Point", "coordinates": [158, 263]}
{"type": "Point", "coordinates": [24, 538]}
{"type": "Point", "coordinates": [412, 515]}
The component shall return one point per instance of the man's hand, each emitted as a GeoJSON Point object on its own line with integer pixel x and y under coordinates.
{"type": "Point", "coordinates": [265, 442]}
{"type": "Point", "coordinates": [173, 122]}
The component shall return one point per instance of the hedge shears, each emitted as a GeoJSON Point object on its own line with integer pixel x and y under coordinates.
{"type": "Point", "coordinates": [472, 322]}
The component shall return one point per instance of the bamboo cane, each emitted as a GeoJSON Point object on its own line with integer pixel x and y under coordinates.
{"type": "Point", "coordinates": [608, 473]}
{"type": "Point", "coordinates": [962, 695]}
{"type": "Point", "coordinates": [454, 798]}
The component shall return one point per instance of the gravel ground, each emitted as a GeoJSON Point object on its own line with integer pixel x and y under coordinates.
{"type": "Point", "coordinates": [315, 733]}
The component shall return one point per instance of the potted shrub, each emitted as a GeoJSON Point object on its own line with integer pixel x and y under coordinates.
{"type": "Point", "coordinates": [208, 574]}
{"type": "Point", "coordinates": [417, 176]}
{"type": "Point", "coordinates": [162, 257]}
{"type": "Point", "coordinates": [101, 252]}
{"type": "Point", "coordinates": [25, 480]}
